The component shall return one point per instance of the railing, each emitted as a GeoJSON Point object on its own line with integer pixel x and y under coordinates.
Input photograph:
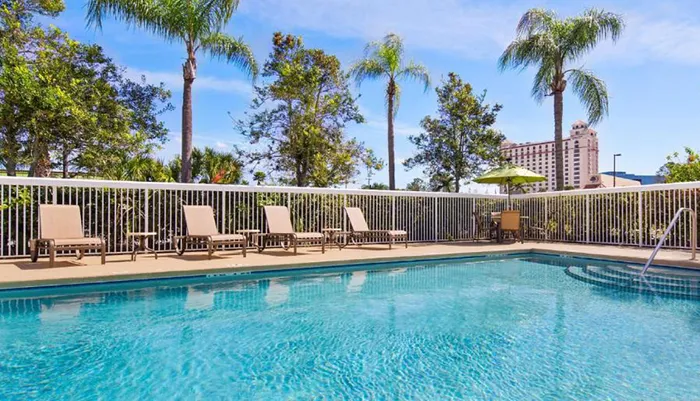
{"type": "Point", "coordinates": [632, 216]}
{"type": "Point", "coordinates": [628, 216]}
{"type": "Point", "coordinates": [673, 223]}
{"type": "Point", "coordinates": [111, 209]}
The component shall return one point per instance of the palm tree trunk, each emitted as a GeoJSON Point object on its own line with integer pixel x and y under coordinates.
{"type": "Point", "coordinates": [189, 71]}
{"type": "Point", "coordinates": [558, 145]}
{"type": "Point", "coordinates": [391, 91]}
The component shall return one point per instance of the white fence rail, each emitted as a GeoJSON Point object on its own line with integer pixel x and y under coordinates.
{"type": "Point", "coordinates": [634, 216]}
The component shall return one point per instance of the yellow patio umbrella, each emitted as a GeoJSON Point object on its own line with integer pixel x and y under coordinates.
{"type": "Point", "coordinates": [510, 174]}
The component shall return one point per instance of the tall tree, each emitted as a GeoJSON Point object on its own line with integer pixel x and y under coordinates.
{"type": "Point", "coordinates": [384, 60]}
{"type": "Point", "coordinates": [199, 25]}
{"type": "Point", "coordinates": [372, 163]}
{"type": "Point", "coordinates": [297, 121]}
{"type": "Point", "coordinates": [551, 45]}
{"type": "Point", "coordinates": [685, 169]}
{"type": "Point", "coordinates": [460, 141]}
{"type": "Point", "coordinates": [65, 103]}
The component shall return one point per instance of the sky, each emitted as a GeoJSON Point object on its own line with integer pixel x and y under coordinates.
{"type": "Point", "coordinates": [652, 72]}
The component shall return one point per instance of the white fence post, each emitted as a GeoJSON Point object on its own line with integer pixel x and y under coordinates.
{"type": "Point", "coordinates": [640, 217]}
{"type": "Point", "coordinates": [588, 218]}
{"type": "Point", "coordinates": [147, 211]}
{"type": "Point", "coordinates": [436, 219]}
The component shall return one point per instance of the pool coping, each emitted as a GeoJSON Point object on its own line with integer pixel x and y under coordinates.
{"type": "Point", "coordinates": [234, 271]}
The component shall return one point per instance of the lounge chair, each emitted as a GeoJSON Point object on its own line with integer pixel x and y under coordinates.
{"type": "Point", "coordinates": [359, 230]}
{"type": "Point", "coordinates": [201, 227]}
{"type": "Point", "coordinates": [279, 225]}
{"type": "Point", "coordinates": [510, 222]}
{"type": "Point", "coordinates": [61, 229]}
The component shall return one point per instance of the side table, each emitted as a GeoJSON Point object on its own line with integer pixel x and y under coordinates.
{"type": "Point", "coordinates": [141, 243]}
{"type": "Point", "coordinates": [250, 235]}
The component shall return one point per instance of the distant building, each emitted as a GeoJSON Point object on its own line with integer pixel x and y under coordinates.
{"type": "Point", "coordinates": [643, 179]}
{"type": "Point", "coordinates": [603, 180]}
{"type": "Point", "coordinates": [580, 157]}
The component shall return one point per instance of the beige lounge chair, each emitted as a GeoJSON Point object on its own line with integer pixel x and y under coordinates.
{"type": "Point", "coordinates": [201, 227]}
{"type": "Point", "coordinates": [359, 230]}
{"type": "Point", "coordinates": [279, 225]}
{"type": "Point", "coordinates": [510, 222]}
{"type": "Point", "coordinates": [61, 229]}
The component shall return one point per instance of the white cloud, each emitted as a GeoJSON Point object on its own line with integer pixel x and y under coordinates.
{"type": "Point", "coordinates": [221, 145]}
{"type": "Point", "coordinates": [481, 29]}
{"type": "Point", "coordinates": [650, 38]}
{"type": "Point", "coordinates": [173, 81]}
{"type": "Point", "coordinates": [450, 25]}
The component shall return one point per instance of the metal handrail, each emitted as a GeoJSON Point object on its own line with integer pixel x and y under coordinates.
{"type": "Point", "coordinates": [693, 233]}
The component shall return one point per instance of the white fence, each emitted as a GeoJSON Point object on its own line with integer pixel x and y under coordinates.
{"type": "Point", "coordinates": [110, 209]}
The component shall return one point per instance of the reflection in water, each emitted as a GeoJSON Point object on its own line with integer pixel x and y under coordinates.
{"type": "Point", "coordinates": [277, 293]}
{"type": "Point", "coordinates": [396, 272]}
{"type": "Point", "coordinates": [358, 278]}
{"type": "Point", "coordinates": [198, 299]}
{"type": "Point", "coordinates": [64, 309]}
{"type": "Point", "coordinates": [59, 311]}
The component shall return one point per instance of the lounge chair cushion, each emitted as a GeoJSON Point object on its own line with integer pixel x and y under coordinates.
{"type": "Point", "coordinates": [228, 237]}
{"type": "Point", "coordinates": [60, 221]}
{"type": "Point", "coordinates": [78, 242]}
{"type": "Point", "coordinates": [396, 233]}
{"type": "Point", "coordinates": [200, 220]}
{"type": "Point", "coordinates": [305, 236]}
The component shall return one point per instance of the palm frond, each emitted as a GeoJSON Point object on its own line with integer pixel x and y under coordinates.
{"type": "Point", "coordinates": [214, 14]}
{"type": "Point", "coordinates": [415, 72]}
{"type": "Point", "coordinates": [542, 83]}
{"type": "Point", "coordinates": [592, 92]}
{"type": "Point", "coordinates": [368, 68]}
{"type": "Point", "coordinates": [232, 50]}
{"type": "Point", "coordinates": [525, 52]}
{"type": "Point", "coordinates": [535, 20]}
{"type": "Point", "coordinates": [167, 20]}
{"type": "Point", "coordinates": [590, 28]}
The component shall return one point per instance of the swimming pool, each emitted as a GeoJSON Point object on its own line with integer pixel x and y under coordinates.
{"type": "Point", "coordinates": [479, 328]}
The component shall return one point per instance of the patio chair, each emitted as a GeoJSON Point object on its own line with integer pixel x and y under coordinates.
{"type": "Point", "coordinates": [483, 225]}
{"type": "Point", "coordinates": [359, 230]}
{"type": "Point", "coordinates": [279, 225]}
{"type": "Point", "coordinates": [61, 229]}
{"type": "Point", "coordinates": [510, 222]}
{"type": "Point", "coordinates": [201, 227]}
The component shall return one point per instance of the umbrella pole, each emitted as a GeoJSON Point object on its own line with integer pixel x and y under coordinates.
{"type": "Point", "coordinates": [508, 189]}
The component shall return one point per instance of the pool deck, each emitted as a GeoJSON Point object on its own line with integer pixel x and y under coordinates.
{"type": "Point", "coordinates": [21, 273]}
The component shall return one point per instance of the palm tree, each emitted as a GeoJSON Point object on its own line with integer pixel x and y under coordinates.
{"type": "Point", "coordinates": [552, 44]}
{"type": "Point", "coordinates": [385, 60]}
{"type": "Point", "coordinates": [199, 24]}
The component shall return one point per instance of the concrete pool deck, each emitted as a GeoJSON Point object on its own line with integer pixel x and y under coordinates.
{"type": "Point", "coordinates": [22, 273]}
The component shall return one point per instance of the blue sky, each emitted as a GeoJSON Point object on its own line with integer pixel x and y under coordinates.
{"type": "Point", "coordinates": [652, 72]}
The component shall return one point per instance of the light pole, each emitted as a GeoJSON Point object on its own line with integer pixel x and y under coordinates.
{"type": "Point", "coordinates": [615, 168]}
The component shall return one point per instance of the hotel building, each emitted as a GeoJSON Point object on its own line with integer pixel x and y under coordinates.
{"type": "Point", "coordinates": [580, 157]}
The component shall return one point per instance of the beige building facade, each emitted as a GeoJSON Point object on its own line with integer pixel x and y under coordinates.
{"type": "Point", "coordinates": [580, 158]}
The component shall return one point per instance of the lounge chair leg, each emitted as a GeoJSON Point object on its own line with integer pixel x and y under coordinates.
{"type": "Point", "coordinates": [405, 241]}
{"type": "Point", "coordinates": [52, 255]}
{"type": "Point", "coordinates": [323, 245]}
{"type": "Point", "coordinates": [245, 245]}
{"type": "Point", "coordinates": [295, 246]}
{"type": "Point", "coordinates": [210, 249]}
{"type": "Point", "coordinates": [103, 253]}
{"type": "Point", "coordinates": [391, 241]}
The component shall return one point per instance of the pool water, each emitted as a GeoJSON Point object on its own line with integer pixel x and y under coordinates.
{"type": "Point", "coordinates": [508, 328]}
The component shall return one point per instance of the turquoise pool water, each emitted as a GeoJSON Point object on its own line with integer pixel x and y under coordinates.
{"type": "Point", "coordinates": [511, 329]}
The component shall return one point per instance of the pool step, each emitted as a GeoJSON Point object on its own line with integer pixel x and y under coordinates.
{"type": "Point", "coordinates": [627, 279]}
